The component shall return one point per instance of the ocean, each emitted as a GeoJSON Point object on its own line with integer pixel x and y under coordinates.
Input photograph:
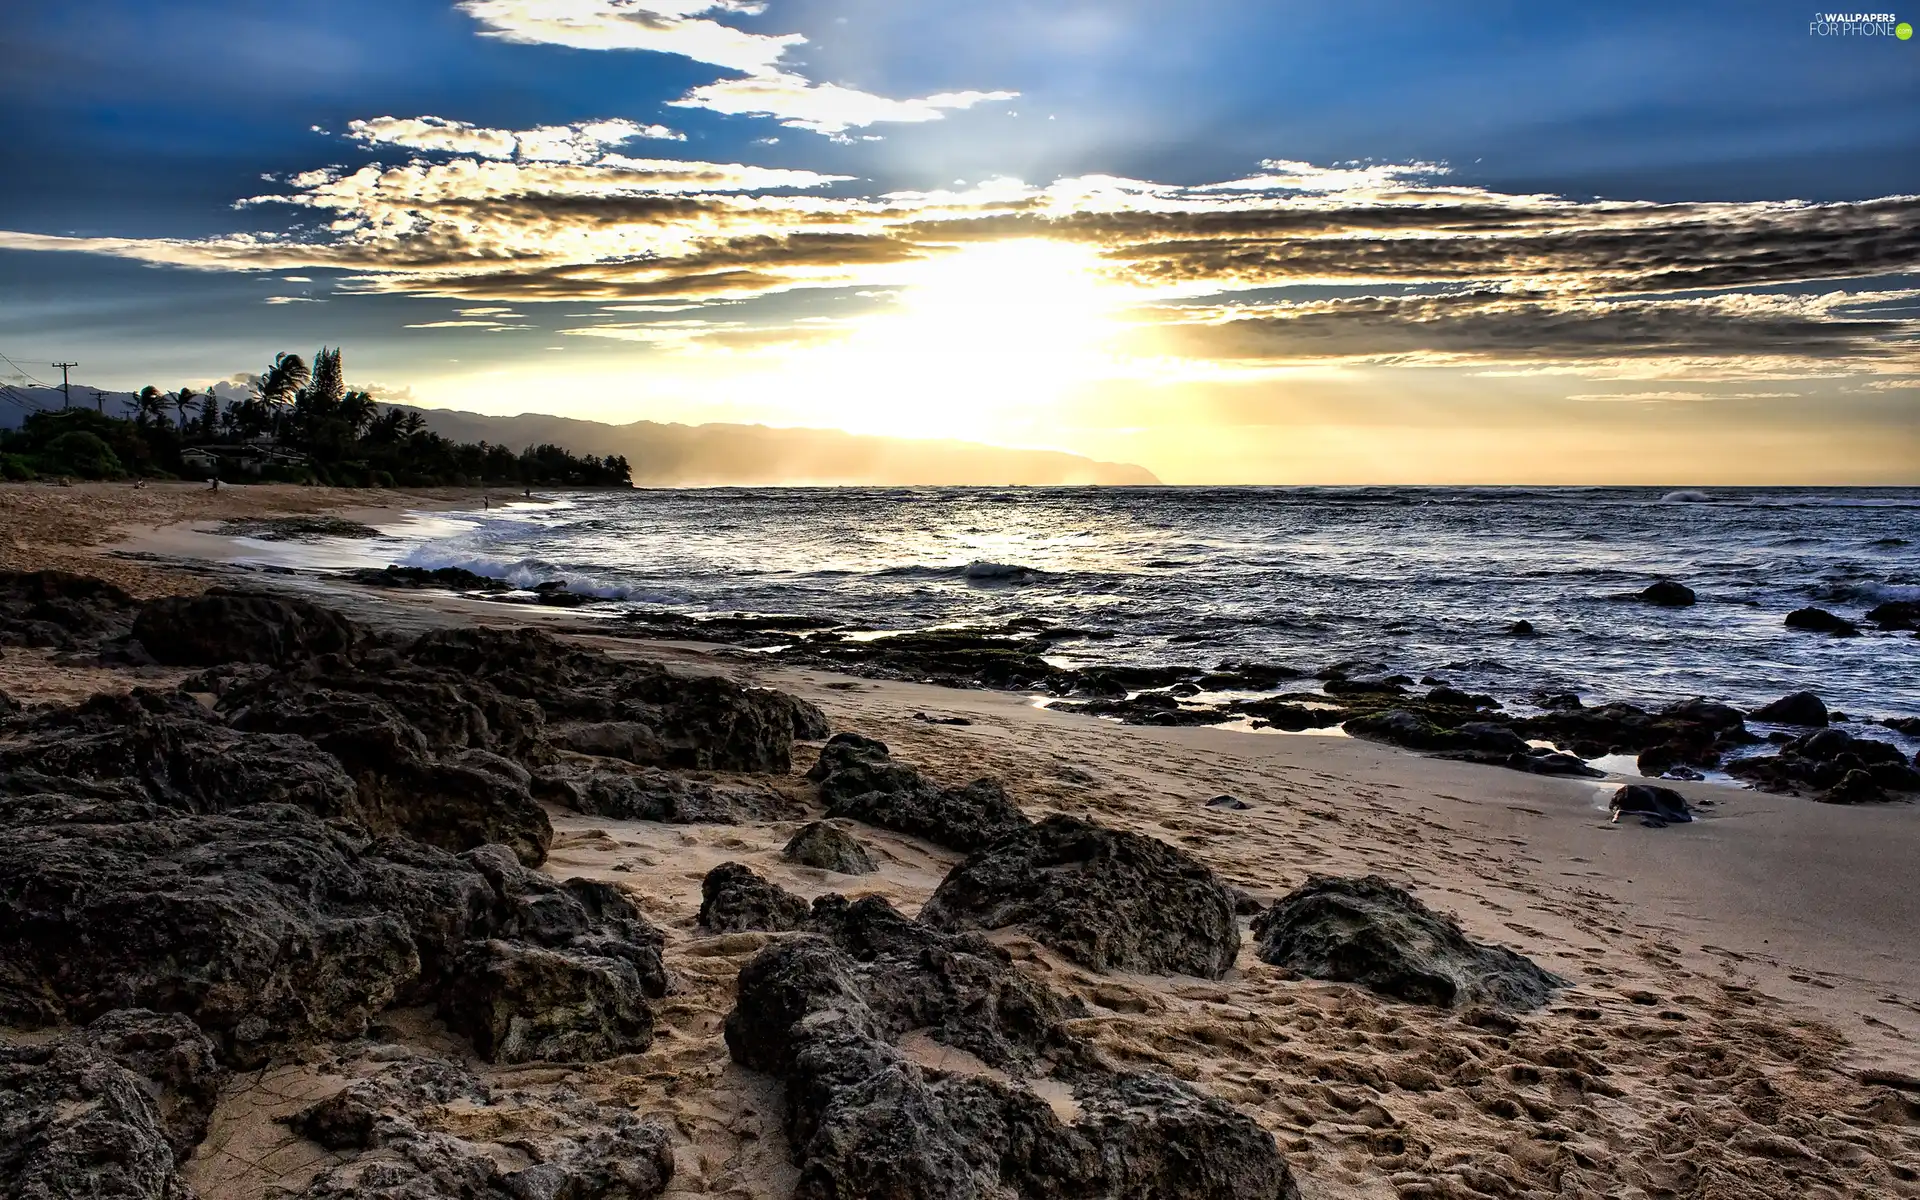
{"type": "Point", "coordinates": [1413, 580]}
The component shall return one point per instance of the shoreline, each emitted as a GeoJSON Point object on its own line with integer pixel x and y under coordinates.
{"type": "Point", "coordinates": [1764, 932]}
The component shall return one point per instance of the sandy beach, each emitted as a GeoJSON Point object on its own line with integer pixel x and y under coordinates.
{"type": "Point", "coordinates": [1742, 1015]}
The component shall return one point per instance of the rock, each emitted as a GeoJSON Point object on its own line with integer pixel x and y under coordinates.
{"type": "Point", "coordinates": [1856, 787]}
{"type": "Point", "coordinates": [1818, 762]}
{"type": "Point", "coordinates": [1368, 931]}
{"type": "Point", "coordinates": [1231, 803]}
{"type": "Point", "coordinates": [1288, 715]}
{"type": "Point", "coordinates": [110, 1110]}
{"type": "Point", "coordinates": [1401, 727]}
{"type": "Point", "coordinates": [413, 1127]}
{"type": "Point", "coordinates": [1798, 708]}
{"type": "Point", "coordinates": [226, 625]}
{"type": "Point", "coordinates": [822, 1014]}
{"type": "Point", "coordinates": [522, 1003]}
{"type": "Point", "coordinates": [733, 899]}
{"type": "Point", "coordinates": [1661, 805]}
{"type": "Point", "coordinates": [1667, 594]}
{"type": "Point", "coordinates": [584, 917]}
{"type": "Point", "coordinates": [1521, 629]}
{"type": "Point", "coordinates": [825, 845]}
{"type": "Point", "coordinates": [1819, 620]}
{"type": "Point", "coordinates": [1896, 614]}
{"type": "Point", "coordinates": [628, 741]}
{"type": "Point", "coordinates": [859, 779]}
{"type": "Point", "coordinates": [452, 579]}
{"type": "Point", "coordinates": [295, 529]}
{"type": "Point", "coordinates": [1559, 701]}
{"type": "Point", "coordinates": [1696, 732]}
{"type": "Point", "coordinates": [1907, 725]}
{"type": "Point", "coordinates": [9, 707]}
{"type": "Point", "coordinates": [61, 610]}
{"type": "Point", "coordinates": [943, 720]}
{"type": "Point", "coordinates": [651, 794]}
{"type": "Point", "coordinates": [1106, 899]}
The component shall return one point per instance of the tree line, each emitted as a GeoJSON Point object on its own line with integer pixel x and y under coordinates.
{"type": "Point", "coordinates": [297, 423]}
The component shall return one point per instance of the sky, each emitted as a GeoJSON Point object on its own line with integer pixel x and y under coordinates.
{"type": "Point", "coordinates": [1232, 242]}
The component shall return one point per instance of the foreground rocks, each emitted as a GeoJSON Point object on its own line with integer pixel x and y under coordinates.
{"type": "Point", "coordinates": [1368, 931]}
{"type": "Point", "coordinates": [61, 610]}
{"type": "Point", "coordinates": [1653, 805]}
{"type": "Point", "coordinates": [824, 1014]}
{"type": "Point", "coordinates": [1106, 899]}
{"type": "Point", "coordinates": [227, 625]}
{"type": "Point", "coordinates": [1832, 765]}
{"type": "Point", "coordinates": [825, 845]}
{"type": "Point", "coordinates": [859, 779]}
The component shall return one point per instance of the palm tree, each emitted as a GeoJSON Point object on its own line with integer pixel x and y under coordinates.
{"type": "Point", "coordinates": [413, 424]}
{"type": "Point", "coordinates": [357, 410]}
{"type": "Point", "coordinates": [184, 404]}
{"type": "Point", "coordinates": [149, 405]}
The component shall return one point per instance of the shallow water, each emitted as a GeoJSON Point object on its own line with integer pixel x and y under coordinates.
{"type": "Point", "coordinates": [1420, 580]}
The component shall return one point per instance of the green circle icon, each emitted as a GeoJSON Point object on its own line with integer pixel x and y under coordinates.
{"type": "Point", "coordinates": [1903, 31]}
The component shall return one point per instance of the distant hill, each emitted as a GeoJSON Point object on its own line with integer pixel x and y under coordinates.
{"type": "Point", "coordinates": [666, 455]}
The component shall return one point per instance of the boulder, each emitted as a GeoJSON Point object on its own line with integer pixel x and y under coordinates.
{"type": "Point", "coordinates": [1896, 614]}
{"type": "Point", "coordinates": [227, 625]}
{"type": "Point", "coordinates": [452, 579]}
{"type": "Point", "coordinates": [1412, 731]}
{"type": "Point", "coordinates": [584, 917]}
{"type": "Point", "coordinates": [61, 610]}
{"type": "Point", "coordinates": [1368, 931]}
{"type": "Point", "coordinates": [1106, 899]}
{"type": "Point", "coordinates": [1696, 732]}
{"type": "Point", "coordinates": [1521, 629]}
{"type": "Point", "coordinates": [1818, 762]}
{"type": "Point", "coordinates": [825, 845]}
{"type": "Point", "coordinates": [521, 1003]}
{"type": "Point", "coordinates": [859, 779]}
{"type": "Point", "coordinates": [1819, 620]}
{"type": "Point", "coordinates": [113, 1109]}
{"type": "Point", "coordinates": [1797, 708]}
{"type": "Point", "coordinates": [823, 1014]}
{"type": "Point", "coordinates": [1856, 787]}
{"type": "Point", "coordinates": [412, 1127]}
{"type": "Point", "coordinates": [1667, 593]}
{"type": "Point", "coordinates": [1657, 805]}
{"type": "Point", "coordinates": [733, 898]}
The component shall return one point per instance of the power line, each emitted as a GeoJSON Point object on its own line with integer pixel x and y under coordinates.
{"type": "Point", "coordinates": [24, 373]}
{"type": "Point", "coordinates": [66, 391]}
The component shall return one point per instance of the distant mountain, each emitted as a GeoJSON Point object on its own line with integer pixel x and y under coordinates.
{"type": "Point", "coordinates": [665, 455]}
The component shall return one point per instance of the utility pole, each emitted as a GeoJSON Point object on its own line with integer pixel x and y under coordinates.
{"type": "Point", "coordinates": [66, 393]}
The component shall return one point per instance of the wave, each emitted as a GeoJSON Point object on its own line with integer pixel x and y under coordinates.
{"type": "Point", "coordinates": [988, 574]}
{"type": "Point", "coordinates": [528, 573]}
{"type": "Point", "coordinates": [1686, 496]}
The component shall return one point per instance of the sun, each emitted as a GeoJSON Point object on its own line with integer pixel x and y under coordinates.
{"type": "Point", "coordinates": [982, 340]}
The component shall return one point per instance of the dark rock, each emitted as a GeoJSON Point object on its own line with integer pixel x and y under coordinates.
{"type": "Point", "coordinates": [1559, 701]}
{"type": "Point", "coordinates": [295, 529]}
{"type": "Point", "coordinates": [1818, 762]}
{"type": "Point", "coordinates": [733, 898]}
{"type": "Point", "coordinates": [825, 845]}
{"type": "Point", "coordinates": [1106, 899]}
{"type": "Point", "coordinates": [629, 741]}
{"type": "Point", "coordinates": [1287, 714]}
{"type": "Point", "coordinates": [1244, 675]}
{"type": "Point", "coordinates": [1521, 629]}
{"type": "Point", "coordinates": [390, 1124]}
{"type": "Point", "coordinates": [1856, 787]}
{"type": "Point", "coordinates": [452, 579]}
{"type": "Point", "coordinates": [1342, 686]}
{"type": "Point", "coordinates": [1896, 614]}
{"type": "Point", "coordinates": [521, 1003]}
{"type": "Point", "coordinates": [822, 1014]}
{"type": "Point", "coordinates": [61, 610]}
{"type": "Point", "coordinates": [1146, 708]}
{"type": "Point", "coordinates": [1907, 725]}
{"type": "Point", "coordinates": [227, 625]}
{"type": "Point", "coordinates": [651, 794]}
{"type": "Point", "coordinates": [1798, 708]}
{"type": "Point", "coordinates": [1668, 594]}
{"type": "Point", "coordinates": [1233, 803]}
{"type": "Point", "coordinates": [1696, 732]}
{"type": "Point", "coordinates": [110, 1110]}
{"type": "Point", "coordinates": [1412, 731]}
{"type": "Point", "coordinates": [943, 720]}
{"type": "Point", "coordinates": [1819, 620]}
{"type": "Point", "coordinates": [9, 707]}
{"type": "Point", "coordinates": [1455, 698]}
{"type": "Point", "coordinates": [1660, 805]}
{"type": "Point", "coordinates": [859, 779]}
{"type": "Point", "coordinates": [580, 916]}
{"type": "Point", "coordinates": [1368, 931]}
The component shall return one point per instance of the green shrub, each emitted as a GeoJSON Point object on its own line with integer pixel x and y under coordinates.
{"type": "Point", "coordinates": [78, 452]}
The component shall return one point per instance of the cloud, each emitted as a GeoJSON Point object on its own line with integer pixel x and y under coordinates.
{"type": "Point", "coordinates": [677, 27]}
{"type": "Point", "coordinates": [293, 300]}
{"type": "Point", "coordinates": [685, 28]}
{"type": "Point", "coordinates": [581, 143]}
{"type": "Point", "coordinates": [823, 107]}
{"type": "Point", "coordinates": [1677, 397]}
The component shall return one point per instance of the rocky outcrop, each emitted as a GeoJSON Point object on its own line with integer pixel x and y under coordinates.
{"type": "Point", "coordinates": [451, 579]}
{"type": "Point", "coordinates": [414, 1127]}
{"type": "Point", "coordinates": [1797, 708]}
{"type": "Point", "coordinates": [1368, 931]}
{"type": "Point", "coordinates": [823, 1015]}
{"type": "Point", "coordinates": [1819, 620]}
{"type": "Point", "coordinates": [733, 898]}
{"type": "Point", "coordinates": [1654, 805]}
{"type": "Point", "coordinates": [521, 1003]}
{"type": "Point", "coordinates": [825, 845]}
{"type": "Point", "coordinates": [607, 789]}
{"type": "Point", "coordinates": [113, 1109]}
{"type": "Point", "coordinates": [1106, 899]}
{"type": "Point", "coordinates": [858, 778]}
{"type": "Point", "coordinates": [61, 610]}
{"type": "Point", "coordinates": [1832, 764]}
{"type": "Point", "coordinates": [1896, 614]}
{"type": "Point", "coordinates": [227, 625]}
{"type": "Point", "coordinates": [1694, 733]}
{"type": "Point", "coordinates": [1667, 593]}
{"type": "Point", "coordinates": [1412, 731]}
